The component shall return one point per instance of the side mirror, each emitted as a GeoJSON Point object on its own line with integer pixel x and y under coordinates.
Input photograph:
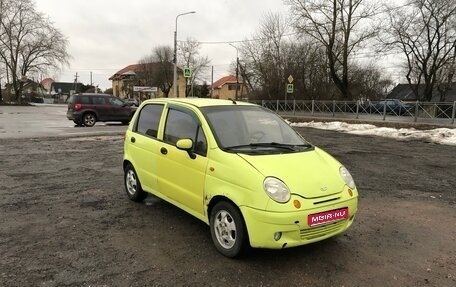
{"type": "Point", "coordinates": [187, 145]}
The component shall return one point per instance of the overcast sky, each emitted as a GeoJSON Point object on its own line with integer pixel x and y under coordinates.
{"type": "Point", "coordinates": [105, 36]}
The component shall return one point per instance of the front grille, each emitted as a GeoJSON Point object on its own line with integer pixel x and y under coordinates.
{"type": "Point", "coordinates": [319, 231]}
{"type": "Point", "coordinates": [326, 200]}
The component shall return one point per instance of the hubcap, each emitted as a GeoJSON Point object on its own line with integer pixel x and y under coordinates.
{"type": "Point", "coordinates": [89, 120]}
{"type": "Point", "coordinates": [225, 229]}
{"type": "Point", "coordinates": [130, 181]}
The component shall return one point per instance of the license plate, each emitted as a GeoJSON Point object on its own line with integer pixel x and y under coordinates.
{"type": "Point", "coordinates": [327, 216]}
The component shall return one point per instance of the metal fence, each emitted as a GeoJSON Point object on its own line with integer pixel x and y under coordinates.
{"type": "Point", "coordinates": [425, 112]}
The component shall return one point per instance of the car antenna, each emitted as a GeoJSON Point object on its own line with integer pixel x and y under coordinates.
{"type": "Point", "coordinates": [234, 102]}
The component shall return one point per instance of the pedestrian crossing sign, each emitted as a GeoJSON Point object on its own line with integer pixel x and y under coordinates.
{"type": "Point", "coordinates": [187, 72]}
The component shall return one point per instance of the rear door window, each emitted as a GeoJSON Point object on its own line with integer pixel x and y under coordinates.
{"type": "Point", "coordinates": [149, 119]}
{"type": "Point", "coordinates": [83, 100]}
{"type": "Point", "coordinates": [98, 100]}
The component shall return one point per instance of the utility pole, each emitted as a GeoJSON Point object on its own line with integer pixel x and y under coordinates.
{"type": "Point", "coordinates": [237, 76]}
{"type": "Point", "coordinates": [7, 85]}
{"type": "Point", "coordinates": [175, 55]}
{"type": "Point", "coordinates": [237, 72]}
{"type": "Point", "coordinates": [75, 85]}
{"type": "Point", "coordinates": [212, 82]}
{"type": "Point", "coordinates": [1, 97]}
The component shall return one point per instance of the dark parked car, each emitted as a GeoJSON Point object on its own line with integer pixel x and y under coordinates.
{"type": "Point", "coordinates": [131, 102]}
{"type": "Point", "coordinates": [88, 108]}
{"type": "Point", "coordinates": [391, 106]}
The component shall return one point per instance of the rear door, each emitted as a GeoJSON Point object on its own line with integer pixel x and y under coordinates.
{"type": "Point", "coordinates": [143, 146]}
{"type": "Point", "coordinates": [99, 105]}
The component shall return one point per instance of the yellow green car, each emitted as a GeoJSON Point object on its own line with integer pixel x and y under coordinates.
{"type": "Point", "coordinates": [241, 169]}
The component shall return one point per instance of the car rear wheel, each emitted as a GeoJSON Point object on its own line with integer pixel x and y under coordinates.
{"type": "Point", "coordinates": [228, 230]}
{"type": "Point", "coordinates": [132, 185]}
{"type": "Point", "coordinates": [89, 119]}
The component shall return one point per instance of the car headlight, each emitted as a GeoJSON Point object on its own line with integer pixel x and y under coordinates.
{"type": "Point", "coordinates": [346, 176]}
{"type": "Point", "coordinates": [276, 189]}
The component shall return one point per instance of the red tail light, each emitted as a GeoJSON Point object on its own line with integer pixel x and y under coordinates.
{"type": "Point", "coordinates": [77, 107]}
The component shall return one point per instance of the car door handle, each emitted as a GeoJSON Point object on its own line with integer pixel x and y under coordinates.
{"type": "Point", "coordinates": [163, 150]}
{"type": "Point", "coordinates": [132, 139]}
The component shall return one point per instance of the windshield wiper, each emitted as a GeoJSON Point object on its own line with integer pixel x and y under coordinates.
{"type": "Point", "coordinates": [291, 147]}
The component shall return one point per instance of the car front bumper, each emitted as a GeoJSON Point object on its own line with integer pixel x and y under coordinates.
{"type": "Point", "coordinates": [264, 226]}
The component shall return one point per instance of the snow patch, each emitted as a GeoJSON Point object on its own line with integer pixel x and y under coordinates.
{"type": "Point", "coordinates": [439, 135]}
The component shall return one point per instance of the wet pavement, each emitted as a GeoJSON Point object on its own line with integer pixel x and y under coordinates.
{"type": "Point", "coordinates": [47, 121]}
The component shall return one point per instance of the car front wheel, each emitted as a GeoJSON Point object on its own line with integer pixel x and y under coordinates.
{"type": "Point", "coordinates": [89, 119]}
{"type": "Point", "coordinates": [132, 185]}
{"type": "Point", "coordinates": [228, 230]}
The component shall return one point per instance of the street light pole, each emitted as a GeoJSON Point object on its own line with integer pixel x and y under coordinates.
{"type": "Point", "coordinates": [237, 72]}
{"type": "Point", "coordinates": [175, 54]}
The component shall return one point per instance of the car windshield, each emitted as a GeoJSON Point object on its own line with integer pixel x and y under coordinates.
{"type": "Point", "coordinates": [252, 129]}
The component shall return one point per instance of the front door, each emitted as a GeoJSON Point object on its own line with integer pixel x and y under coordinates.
{"type": "Point", "coordinates": [181, 177]}
{"type": "Point", "coordinates": [118, 111]}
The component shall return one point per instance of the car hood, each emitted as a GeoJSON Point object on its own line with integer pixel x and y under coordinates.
{"type": "Point", "coordinates": [309, 174]}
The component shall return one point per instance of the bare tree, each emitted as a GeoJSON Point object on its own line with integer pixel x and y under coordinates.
{"type": "Point", "coordinates": [306, 62]}
{"type": "Point", "coordinates": [368, 82]}
{"type": "Point", "coordinates": [425, 32]}
{"type": "Point", "coordinates": [29, 44]}
{"type": "Point", "coordinates": [341, 27]}
{"type": "Point", "coordinates": [275, 54]}
{"type": "Point", "coordinates": [263, 66]}
{"type": "Point", "coordinates": [156, 69]}
{"type": "Point", "coordinates": [188, 51]}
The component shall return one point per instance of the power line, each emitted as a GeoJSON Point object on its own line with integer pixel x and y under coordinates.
{"type": "Point", "coordinates": [241, 41]}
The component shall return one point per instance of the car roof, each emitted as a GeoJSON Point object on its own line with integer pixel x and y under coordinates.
{"type": "Point", "coordinates": [93, 94]}
{"type": "Point", "coordinates": [199, 102]}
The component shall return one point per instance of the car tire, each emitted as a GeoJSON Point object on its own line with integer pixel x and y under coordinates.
{"type": "Point", "coordinates": [89, 119]}
{"type": "Point", "coordinates": [228, 230]}
{"type": "Point", "coordinates": [132, 185]}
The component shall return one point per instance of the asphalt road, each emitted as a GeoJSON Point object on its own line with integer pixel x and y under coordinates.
{"type": "Point", "coordinates": [65, 219]}
{"type": "Point", "coordinates": [47, 121]}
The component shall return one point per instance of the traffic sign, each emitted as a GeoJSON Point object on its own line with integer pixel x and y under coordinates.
{"type": "Point", "coordinates": [187, 72]}
{"type": "Point", "coordinates": [144, 89]}
{"type": "Point", "coordinates": [289, 88]}
{"type": "Point", "coordinates": [290, 79]}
